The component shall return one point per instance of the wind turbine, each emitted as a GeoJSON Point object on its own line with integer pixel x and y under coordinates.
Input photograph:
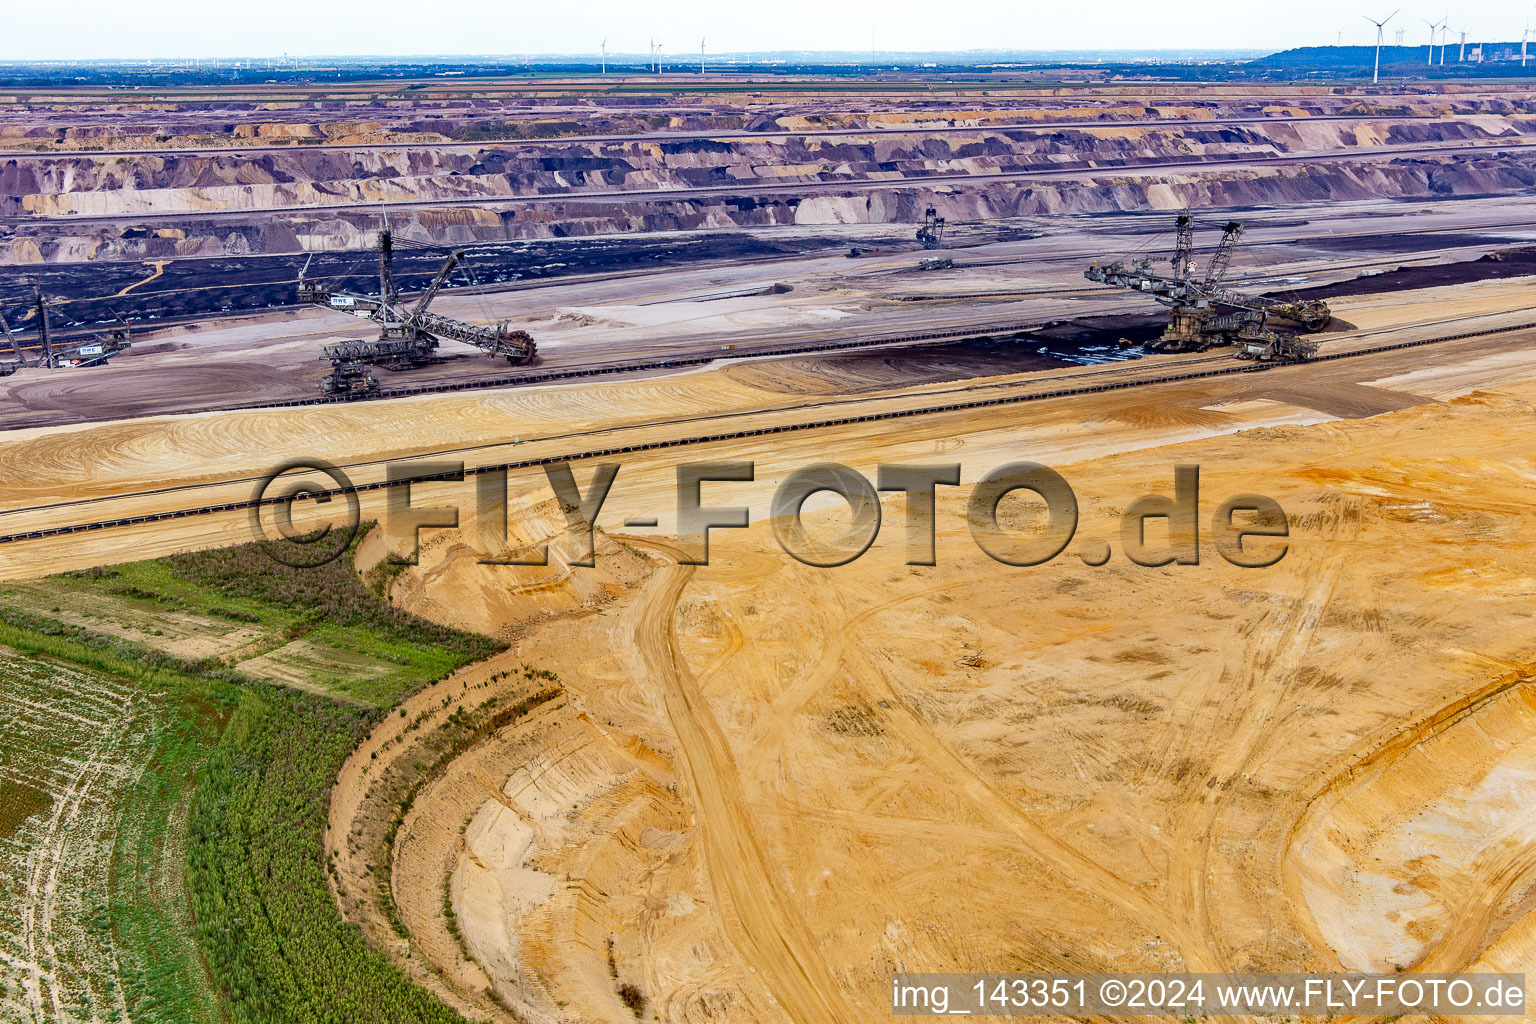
{"type": "Point", "coordinates": [1444, 31]}
{"type": "Point", "coordinates": [701, 56]}
{"type": "Point", "coordinates": [652, 62]}
{"type": "Point", "coordinates": [1523, 36]}
{"type": "Point", "coordinates": [1340, 40]}
{"type": "Point", "coordinates": [1434, 26]}
{"type": "Point", "coordinates": [1461, 58]}
{"type": "Point", "coordinates": [605, 55]}
{"type": "Point", "coordinates": [1376, 75]}
{"type": "Point", "coordinates": [1400, 33]}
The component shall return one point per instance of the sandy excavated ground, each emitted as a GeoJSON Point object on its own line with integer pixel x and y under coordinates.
{"type": "Point", "coordinates": [772, 785]}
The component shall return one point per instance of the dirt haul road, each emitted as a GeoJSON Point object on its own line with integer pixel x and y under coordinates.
{"type": "Point", "coordinates": [760, 917]}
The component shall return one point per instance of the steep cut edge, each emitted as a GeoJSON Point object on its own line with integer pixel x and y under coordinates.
{"type": "Point", "coordinates": [1366, 766]}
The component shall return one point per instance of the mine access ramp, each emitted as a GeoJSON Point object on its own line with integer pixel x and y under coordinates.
{"type": "Point", "coordinates": [1203, 312]}
{"type": "Point", "coordinates": [407, 337]}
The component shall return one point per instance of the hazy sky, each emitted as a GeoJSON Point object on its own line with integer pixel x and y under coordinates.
{"type": "Point", "coordinates": [174, 28]}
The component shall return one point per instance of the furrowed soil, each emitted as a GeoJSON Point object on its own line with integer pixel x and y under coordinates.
{"type": "Point", "coordinates": [93, 794]}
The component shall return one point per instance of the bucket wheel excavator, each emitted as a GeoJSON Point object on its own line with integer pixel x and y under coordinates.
{"type": "Point", "coordinates": [408, 337]}
{"type": "Point", "coordinates": [55, 352]}
{"type": "Point", "coordinates": [1204, 313]}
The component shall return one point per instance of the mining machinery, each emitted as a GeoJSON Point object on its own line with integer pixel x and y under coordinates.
{"type": "Point", "coordinates": [408, 337]}
{"type": "Point", "coordinates": [6, 369]}
{"type": "Point", "coordinates": [1203, 312]}
{"type": "Point", "coordinates": [54, 353]}
{"type": "Point", "coordinates": [347, 378]}
{"type": "Point", "coordinates": [1254, 340]}
{"type": "Point", "coordinates": [931, 234]}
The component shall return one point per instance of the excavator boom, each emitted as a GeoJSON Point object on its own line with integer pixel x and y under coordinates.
{"type": "Point", "coordinates": [1222, 258]}
{"type": "Point", "coordinates": [15, 345]}
{"type": "Point", "coordinates": [42, 326]}
{"type": "Point", "coordinates": [1183, 244]}
{"type": "Point", "coordinates": [387, 292]}
{"type": "Point", "coordinates": [436, 286]}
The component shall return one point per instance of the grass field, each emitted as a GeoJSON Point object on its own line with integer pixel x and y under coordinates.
{"type": "Point", "coordinates": [235, 609]}
{"type": "Point", "coordinates": [266, 918]}
{"type": "Point", "coordinates": [169, 733]}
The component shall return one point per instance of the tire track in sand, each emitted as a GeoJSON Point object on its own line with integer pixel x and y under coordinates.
{"type": "Point", "coordinates": [759, 916]}
{"type": "Point", "coordinates": [1251, 720]}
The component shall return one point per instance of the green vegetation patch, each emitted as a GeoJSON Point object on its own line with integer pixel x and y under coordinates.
{"type": "Point", "coordinates": [265, 915]}
{"type": "Point", "coordinates": [179, 798]}
{"type": "Point", "coordinates": [508, 131]}
{"type": "Point", "coordinates": [150, 910]}
{"type": "Point", "coordinates": [318, 629]}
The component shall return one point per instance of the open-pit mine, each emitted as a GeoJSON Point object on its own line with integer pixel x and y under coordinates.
{"type": "Point", "coordinates": [519, 753]}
